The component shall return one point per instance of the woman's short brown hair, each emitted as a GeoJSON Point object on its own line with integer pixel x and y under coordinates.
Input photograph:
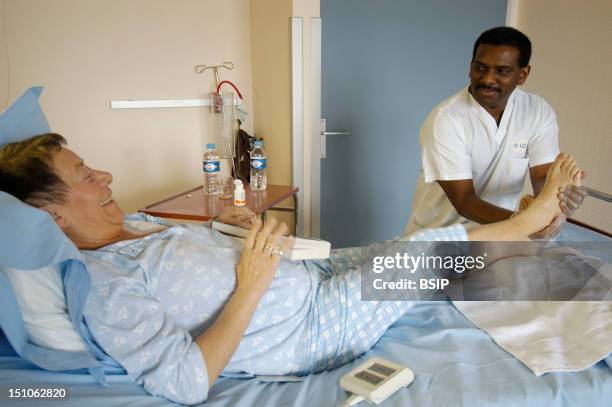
{"type": "Point", "coordinates": [26, 170]}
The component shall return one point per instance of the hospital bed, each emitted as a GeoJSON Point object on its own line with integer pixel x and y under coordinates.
{"type": "Point", "coordinates": [455, 364]}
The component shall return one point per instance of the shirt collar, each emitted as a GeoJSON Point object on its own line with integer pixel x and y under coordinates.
{"type": "Point", "coordinates": [133, 247]}
{"type": "Point", "coordinates": [473, 103]}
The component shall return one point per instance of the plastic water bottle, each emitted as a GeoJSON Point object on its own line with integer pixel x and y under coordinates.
{"type": "Point", "coordinates": [211, 169]}
{"type": "Point", "coordinates": [259, 181]}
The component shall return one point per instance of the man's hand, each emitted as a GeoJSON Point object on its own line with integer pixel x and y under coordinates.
{"type": "Point", "coordinates": [571, 198]}
{"type": "Point", "coordinates": [550, 231]}
{"type": "Point", "coordinates": [238, 216]}
{"type": "Point", "coordinates": [525, 202]}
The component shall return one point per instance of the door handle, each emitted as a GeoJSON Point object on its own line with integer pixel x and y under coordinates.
{"type": "Point", "coordinates": [324, 134]}
{"type": "Point", "coordinates": [334, 133]}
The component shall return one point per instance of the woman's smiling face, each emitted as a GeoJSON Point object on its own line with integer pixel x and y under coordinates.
{"type": "Point", "coordinates": [89, 205]}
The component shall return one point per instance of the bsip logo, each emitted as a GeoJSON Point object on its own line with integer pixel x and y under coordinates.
{"type": "Point", "coordinates": [258, 164]}
{"type": "Point", "coordinates": [211, 166]}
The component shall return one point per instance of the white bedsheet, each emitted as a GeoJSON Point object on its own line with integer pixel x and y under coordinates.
{"type": "Point", "coordinates": [556, 336]}
{"type": "Point", "coordinates": [551, 336]}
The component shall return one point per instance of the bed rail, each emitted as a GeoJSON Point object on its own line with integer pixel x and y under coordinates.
{"type": "Point", "coordinates": [597, 195]}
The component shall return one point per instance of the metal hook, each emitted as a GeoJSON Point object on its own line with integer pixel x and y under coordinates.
{"type": "Point", "coordinates": [215, 68]}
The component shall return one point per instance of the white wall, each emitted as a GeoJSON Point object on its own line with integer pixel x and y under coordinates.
{"type": "Point", "coordinates": [87, 53]}
{"type": "Point", "coordinates": [272, 89]}
{"type": "Point", "coordinates": [270, 49]}
{"type": "Point", "coordinates": [271, 83]}
{"type": "Point", "coordinates": [571, 68]}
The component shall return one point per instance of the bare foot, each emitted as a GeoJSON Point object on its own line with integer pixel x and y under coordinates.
{"type": "Point", "coordinates": [564, 171]}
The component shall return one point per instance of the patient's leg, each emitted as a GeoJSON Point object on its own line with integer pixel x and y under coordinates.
{"type": "Point", "coordinates": [344, 325]}
{"type": "Point", "coordinates": [540, 212]}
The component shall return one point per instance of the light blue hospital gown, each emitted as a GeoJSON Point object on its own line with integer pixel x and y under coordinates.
{"type": "Point", "coordinates": [151, 296]}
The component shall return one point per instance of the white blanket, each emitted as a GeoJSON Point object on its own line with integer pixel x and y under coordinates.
{"type": "Point", "coordinates": [552, 336]}
{"type": "Point", "coordinates": [556, 336]}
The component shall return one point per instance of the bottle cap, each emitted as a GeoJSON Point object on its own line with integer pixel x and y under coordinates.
{"type": "Point", "coordinates": [258, 143]}
{"type": "Point", "coordinates": [210, 146]}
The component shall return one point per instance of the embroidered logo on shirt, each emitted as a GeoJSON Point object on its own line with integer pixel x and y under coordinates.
{"type": "Point", "coordinates": [519, 146]}
{"type": "Point", "coordinates": [519, 149]}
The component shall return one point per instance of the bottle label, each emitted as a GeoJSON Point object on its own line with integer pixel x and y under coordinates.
{"type": "Point", "coordinates": [258, 163]}
{"type": "Point", "coordinates": [211, 166]}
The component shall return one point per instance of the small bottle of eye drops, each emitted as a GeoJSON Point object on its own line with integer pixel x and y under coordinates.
{"type": "Point", "coordinates": [239, 195]}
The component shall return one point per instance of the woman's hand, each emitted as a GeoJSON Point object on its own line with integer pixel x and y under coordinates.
{"type": "Point", "coordinates": [254, 274]}
{"type": "Point", "coordinates": [261, 256]}
{"type": "Point", "coordinates": [238, 216]}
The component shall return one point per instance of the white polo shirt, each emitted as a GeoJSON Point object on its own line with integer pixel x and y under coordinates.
{"type": "Point", "coordinates": [461, 140]}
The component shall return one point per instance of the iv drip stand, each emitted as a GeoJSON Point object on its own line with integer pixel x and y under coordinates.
{"type": "Point", "coordinates": [218, 108]}
{"type": "Point", "coordinates": [227, 65]}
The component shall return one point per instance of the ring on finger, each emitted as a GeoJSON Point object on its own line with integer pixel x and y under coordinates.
{"type": "Point", "coordinates": [277, 252]}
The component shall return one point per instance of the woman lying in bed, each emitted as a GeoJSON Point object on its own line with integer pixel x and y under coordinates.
{"type": "Point", "coordinates": [179, 306]}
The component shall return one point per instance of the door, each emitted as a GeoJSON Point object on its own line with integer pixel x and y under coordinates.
{"type": "Point", "coordinates": [385, 65]}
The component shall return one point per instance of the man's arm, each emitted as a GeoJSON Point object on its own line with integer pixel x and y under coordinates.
{"type": "Point", "coordinates": [538, 177]}
{"type": "Point", "coordinates": [462, 195]}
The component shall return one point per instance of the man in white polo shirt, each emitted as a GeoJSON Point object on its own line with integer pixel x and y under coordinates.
{"type": "Point", "coordinates": [478, 145]}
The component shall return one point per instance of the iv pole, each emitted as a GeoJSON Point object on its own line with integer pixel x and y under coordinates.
{"type": "Point", "coordinates": [218, 107]}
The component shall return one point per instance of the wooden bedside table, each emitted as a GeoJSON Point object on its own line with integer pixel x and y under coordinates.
{"type": "Point", "coordinates": [194, 205]}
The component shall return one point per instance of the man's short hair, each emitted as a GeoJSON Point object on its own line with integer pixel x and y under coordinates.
{"type": "Point", "coordinates": [26, 170]}
{"type": "Point", "coordinates": [506, 36]}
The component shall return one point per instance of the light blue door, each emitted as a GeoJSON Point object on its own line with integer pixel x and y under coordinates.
{"type": "Point", "coordinates": [385, 65]}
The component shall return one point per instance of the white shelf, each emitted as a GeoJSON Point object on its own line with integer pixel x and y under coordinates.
{"type": "Point", "coordinates": [139, 104]}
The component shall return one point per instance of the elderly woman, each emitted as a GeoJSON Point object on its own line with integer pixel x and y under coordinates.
{"type": "Point", "coordinates": [179, 306]}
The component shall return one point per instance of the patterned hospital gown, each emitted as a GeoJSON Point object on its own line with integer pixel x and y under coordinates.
{"type": "Point", "coordinates": [150, 297]}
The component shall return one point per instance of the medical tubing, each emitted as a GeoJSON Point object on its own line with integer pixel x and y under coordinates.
{"type": "Point", "coordinates": [232, 85]}
{"type": "Point", "coordinates": [225, 129]}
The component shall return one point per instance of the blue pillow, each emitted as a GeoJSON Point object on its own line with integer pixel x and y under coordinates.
{"type": "Point", "coordinates": [23, 119]}
{"type": "Point", "coordinates": [30, 239]}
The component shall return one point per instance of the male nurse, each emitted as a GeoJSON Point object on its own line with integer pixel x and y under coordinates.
{"type": "Point", "coordinates": [479, 145]}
